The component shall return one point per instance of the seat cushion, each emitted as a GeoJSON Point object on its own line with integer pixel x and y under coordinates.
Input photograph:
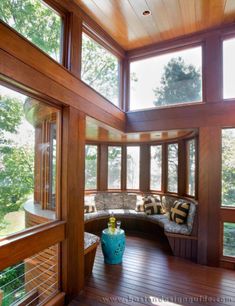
{"type": "Point", "coordinates": [129, 200]}
{"type": "Point", "coordinates": [113, 200]}
{"type": "Point", "coordinates": [175, 228]}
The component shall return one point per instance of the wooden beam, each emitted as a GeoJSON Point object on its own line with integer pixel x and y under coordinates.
{"type": "Point", "coordinates": [30, 242]}
{"type": "Point", "coordinates": [144, 167]}
{"type": "Point", "coordinates": [73, 164]}
{"type": "Point", "coordinates": [103, 167]}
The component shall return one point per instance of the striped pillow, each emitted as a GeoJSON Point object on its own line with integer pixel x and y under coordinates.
{"type": "Point", "coordinates": [179, 212]}
{"type": "Point", "coordinates": [89, 208]}
{"type": "Point", "coordinates": [152, 205]}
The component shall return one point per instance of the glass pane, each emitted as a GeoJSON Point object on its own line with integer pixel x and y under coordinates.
{"type": "Point", "coordinates": [156, 168]}
{"type": "Point", "coordinates": [100, 69]}
{"type": "Point", "coordinates": [114, 167]}
{"type": "Point", "coordinates": [191, 151]}
{"type": "Point", "coordinates": [228, 68]}
{"type": "Point", "coordinates": [172, 168]}
{"type": "Point", "coordinates": [229, 239]}
{"type": "Point", "coordinates": [91, 167]}
{"type": "Point", "coordinates": [167, 79]}
{"type": "Point", "coordinates": [36, 21]}
{"type": "Point", "coordinates": [28, 161]}
{"type": "Point", "coordinates": [133, 167]}
{"type": "Point", "coordinates": [228, 167]}
{"type": "Point", "coordinates": [32, 281]}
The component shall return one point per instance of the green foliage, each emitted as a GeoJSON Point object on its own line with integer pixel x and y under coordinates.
{"type": "Point", "coordinates": [100, 69]}
{"type": "Point", "coordinates": [91, 167]}
{"type": "Point", "coordinates": [12, 279]}
{"type": "Point", "coordinates": [114, 166]}
{"type": "Point", "coordinates": [34, 20]}
{"type": "Point", "coordinates": [229, 239]}
{"type": "Point", "coordinates": [179, 83]}
{"type": "Point", "coordinates": [228, 167]}
{"type": "Point", "coordinates": [16, 162]}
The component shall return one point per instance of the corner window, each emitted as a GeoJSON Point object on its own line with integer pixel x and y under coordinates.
{"type": "Point", "coordinates": [114, 167]}
{"type": "Point", "coordinates": [156, 167]}
{"type": "Point", "coordinates": [91, 152]}
{"type": "Point", "coordinates": [172, 167]}
{"type": "Point", "coordinates": [37, 22]}
{"type": "Point", "coordinates": [29, 143]}
{"type": "Point", "coordinates": [165, 80]}
{"type": "Point", "coordinates": [228, 68]}
{"type": "Point", "coordinates": [228, 167]}
{"type": "Point", "coordinates": [133, 167]}
{"type": "Point", "coordinates": [191, 166]}
{"type": "Point", "coordinates": [100, 69]}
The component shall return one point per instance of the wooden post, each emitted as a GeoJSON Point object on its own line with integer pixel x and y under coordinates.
{"type": "Point", "coordinates": [73, 151]}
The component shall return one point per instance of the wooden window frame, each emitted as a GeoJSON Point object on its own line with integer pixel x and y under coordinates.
{"type": "Point", "coordinates": [100, 40]}
{"type": "Point", "coordinates": [161, 51]}
{"type": "Point", "coordinates": [222, 256]}
{"type": "Point", "coordinates": [113, 189]}
{"type": "Point", "coordinates": [187, 167]}
{"type": "Point", "coordinates": [132, 145]}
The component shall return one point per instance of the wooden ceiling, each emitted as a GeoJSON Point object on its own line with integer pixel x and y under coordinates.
{"type": "Point", "coordinates": [97, 131]}
{"type": "Point", "coordinates": [124, 22]}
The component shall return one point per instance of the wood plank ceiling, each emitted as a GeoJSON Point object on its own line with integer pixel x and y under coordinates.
{"type": "Point", "coordinates": [124, 22]}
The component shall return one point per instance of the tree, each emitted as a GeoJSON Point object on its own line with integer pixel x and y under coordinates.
{"type": "Point", "coordinates": [91, 167]}
{"type": "Point", "coordinates": [34, 20]}
{"type": "Point", "coordinates": [16, 162]}
{"type": "Point", "coordinates": [180, 82]}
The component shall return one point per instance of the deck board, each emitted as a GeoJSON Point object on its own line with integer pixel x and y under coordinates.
{"type": "Point", "coordinates": [150, 275]}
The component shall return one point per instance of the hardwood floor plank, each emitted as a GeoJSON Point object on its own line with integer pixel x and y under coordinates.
{"type": "Point", "coordinates": [150, 275]}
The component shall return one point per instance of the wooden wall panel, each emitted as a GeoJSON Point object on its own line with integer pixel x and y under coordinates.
{"type": "Point", "coordinates": [209, 195]}
{"type": "Point", "coordinates": [73, 200]}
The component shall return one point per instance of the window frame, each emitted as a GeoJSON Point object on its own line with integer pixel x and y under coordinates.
{"type": "Point", "coordinates": [162, 168]}
{"type": "Point", "coordinates": [222, 256]}
{"type": "Point", "coordinates": [167, 163]}
{"type": "Point", "coordinates": [163, 51]}
{"type": "Point", "coordinates": [97, 168]}
{"type": "Point", "coordinates": [108, 47]}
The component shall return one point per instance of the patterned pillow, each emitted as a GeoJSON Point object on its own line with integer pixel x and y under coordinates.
{"type": "Point", "coordinates": [152, 205]}
{"type": "Point", "coordinates": [89, 208]}
{"type": "Point", "coordinates": [179, 212]}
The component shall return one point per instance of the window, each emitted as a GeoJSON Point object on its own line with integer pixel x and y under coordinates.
{"type": "Point", "coordinates": [114, 167]}
{"type": "Point", "coordinates": [133, 167]}
{"type": "Point", "coordinates": [168, 79]}
{"type": "Point", "coordinates": [229, 239]}
{"type": "Point", "coordinates": [172, 175]}
{"type": "Point", "coordinates": [28, 161]}
{"type": "Point", "coordinates": [191, 167]}
{"type": "Point", "coordinates": [36, 21]}
{"type": "Point", "coordinates": [228, 167]}
{"type": "Point", "coordinates": [91, 167]}
{"type": "Point", "coordinates": [156, 168]}
{"type": "Point", "coordinates": [100, 69]}
{"type": "Point", "coordinates": [228, 68]}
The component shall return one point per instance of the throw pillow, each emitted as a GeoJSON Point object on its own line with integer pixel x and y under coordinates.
{"type": "Point", "coordinates": [89, 208]}
{"type": "Point", "coordinates": [179, 212]}
{"type": "Point", "coordinates": [152, 205]}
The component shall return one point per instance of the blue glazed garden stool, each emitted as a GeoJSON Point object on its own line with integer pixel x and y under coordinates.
{"type": "Point", "coordinates": [113, 246]}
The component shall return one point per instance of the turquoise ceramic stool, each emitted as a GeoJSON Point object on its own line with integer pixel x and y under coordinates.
{"type": "Point", "coordinates": [113, 246]}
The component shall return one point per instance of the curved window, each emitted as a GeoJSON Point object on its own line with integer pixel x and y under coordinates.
{"type": "Point", "coordinates": [156, 168]}
{"type": "Point", "coordinates": [191, 167]}
{"type": "Point", "coordinates": [133, 167]}
{"type": "Point", "coordinates": [114, 167]}
{"type": "Point", "coordinates": [91, 152]}
{"type": "Point", "coordinates": [172, 173]}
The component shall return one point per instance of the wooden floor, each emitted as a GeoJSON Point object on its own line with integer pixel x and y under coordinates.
{"type": "Point", "coordinates": [150, 275]}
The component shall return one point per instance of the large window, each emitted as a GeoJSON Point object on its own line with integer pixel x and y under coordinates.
{"type": "Point", "coordinates": [91, 167]}
{"type": "Point", "coordinates": [168, 79]}
{"type": "Point", "coordinates": [114, 167]}
{"type": "Point", "coordinates": [156, 168]}
{"type": "Point", "coordinates": [28, 161]}
{"type": "Point", "coordinates": [100, 69]}
{"type": "Point", "coordinates": [191, 166]}
{"type": "Point", "coordinates": [229, 239]}
{"type": "Point", "coordinates": [172, 175]}
{"type": "Point", "coordinates": [133, 167]}
{"type": "Point", "coordinates": [228, 68]}
{"type": "Point", "coordinates": [228, 167]}
{"type": "Point", "coordinates": [36, 21]}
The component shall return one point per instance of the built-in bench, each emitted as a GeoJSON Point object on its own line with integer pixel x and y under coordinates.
{"type": "Point", "coordinates": [125, 206]}
{"type": "Point", "coordinates": [91, 242]}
